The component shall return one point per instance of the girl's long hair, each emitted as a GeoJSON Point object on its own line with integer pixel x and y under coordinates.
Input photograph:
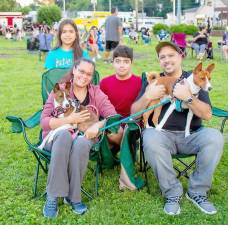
{"type": "Point", "coordinates": [76, 44]}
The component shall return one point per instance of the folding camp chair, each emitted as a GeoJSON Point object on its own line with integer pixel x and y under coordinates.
{"type": "Point", "coordinates": [130, 144]}
{"type": "Point", "coordinates": [186, 162]}
{"type": "Point", "coordinates": [100, 151]}
{"type": "Point", "coordinates": [180, 40]}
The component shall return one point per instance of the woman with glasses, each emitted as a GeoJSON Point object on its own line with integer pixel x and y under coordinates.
{"type": "Point", "coordinates": [70, 153]}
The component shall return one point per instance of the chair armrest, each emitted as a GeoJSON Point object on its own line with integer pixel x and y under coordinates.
{"type": "Point", "coordinates": [222, 114]}
{"type": "Point", "coordinates": [111, 120]}
{"type": "Point", "coordinates": [18, 124]}
{"type": "Point", "coordinates": [133, 125]}
{"type": "Point", "coordinates": [219, 112]}
{"type": "Point", "coordinates": [114, 129]}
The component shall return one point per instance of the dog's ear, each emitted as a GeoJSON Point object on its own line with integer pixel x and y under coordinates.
{"type": "Point", "coordinates": [151, 76]}
{"type": "Point", "coordinates": [198, 68]}
{"type": "Point", "coordinates": [56, 87]}
{"type": "Point", "coordinates": [68, 85]}
{"type": "Point", "coordinates": [210, 67]}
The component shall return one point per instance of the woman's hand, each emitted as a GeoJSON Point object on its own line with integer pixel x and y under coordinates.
{"type": "Point", "coordinates": [93, 130]}
{"type": "Point", "coordinates": [78, 117]}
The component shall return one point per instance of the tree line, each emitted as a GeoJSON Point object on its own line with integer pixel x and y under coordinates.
{"type": "Point", "coordinates": [151, 7]}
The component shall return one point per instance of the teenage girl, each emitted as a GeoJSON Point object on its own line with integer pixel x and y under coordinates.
{"type": "Point", "coordinates": [68, 48]}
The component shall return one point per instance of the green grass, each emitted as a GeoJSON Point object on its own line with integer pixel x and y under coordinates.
{"type": "Point", "coordinates": [20, 78]}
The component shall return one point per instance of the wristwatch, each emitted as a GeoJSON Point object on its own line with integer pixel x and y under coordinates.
{"type": "Point", "coordinates": [189, 100]}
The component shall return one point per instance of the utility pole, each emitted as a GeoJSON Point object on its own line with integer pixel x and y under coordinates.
{"type": "Point", "coordinates": [178, 11]}
{"type": "Point", "coordinates": [142, 10]}
{"type": "Point", "coordinates": [136, 13]}
{"type": "Point", "coordinates": [64, 8]}
{"type": "Point", "coordinates": [174, 11]}
{"type": "Point", "coordinates": [94, 2]}
{"type": "Point", "coordinates": [110, 5]}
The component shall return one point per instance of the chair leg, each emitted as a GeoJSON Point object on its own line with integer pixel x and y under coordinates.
{"type": "Point", "coordinates": [97, 171]}
{"type": "Point", "coordinates": [140, 161]}
{"type": "Point", "coordinates": [89, 196]}
{"type": "Point", "coordinates": [97, 179]}
{"type": "Point", "coordinates": [223, 124]}
{"type": "Point", "coordinates": [145, 173]}
{"type": "Point", "coordinates": [143, 166]}
{"type": "Point", "coordinates": [184, 171]}
{"type": "Point", "coordinates": [36, 180]}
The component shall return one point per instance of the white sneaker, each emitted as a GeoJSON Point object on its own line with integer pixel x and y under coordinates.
{"type": "Point", "coordinates": [94, 60]}
{"type": "Point", "coordinates": [99, 56]}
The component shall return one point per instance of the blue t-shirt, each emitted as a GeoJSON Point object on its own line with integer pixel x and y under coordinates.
{"type": "Point", "coordinates": [60, 58]}
{"type": "Point", "coordinates": [45, 41]}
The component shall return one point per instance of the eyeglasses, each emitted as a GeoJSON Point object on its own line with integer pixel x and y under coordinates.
{"type": "Point", "coordinates": [83, 72]}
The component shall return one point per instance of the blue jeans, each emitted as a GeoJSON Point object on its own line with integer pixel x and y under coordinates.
{"type": "Point", "coordinates": [159, 146]}
{"type": "Point", "coordinates": [199, 48]}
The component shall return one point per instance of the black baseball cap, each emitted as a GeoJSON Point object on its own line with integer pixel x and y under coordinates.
{"type": "Point", "coordinates": [162, 44]}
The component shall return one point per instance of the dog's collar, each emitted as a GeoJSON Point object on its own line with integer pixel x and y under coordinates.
{"type": "Point", "coordinates": [58, 111]}
{"type": "Point", "coordinates": [179, 79]}
{"type": "Point", "coordinates": [76, 104]}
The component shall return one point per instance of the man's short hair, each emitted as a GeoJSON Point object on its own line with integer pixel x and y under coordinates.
{"type": "Point", "coordinates": [113, 10]}
{"type": "Point", "coordinates": [123, 51]}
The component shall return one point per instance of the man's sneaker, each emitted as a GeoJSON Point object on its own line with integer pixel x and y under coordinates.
{"type": "Point", "coordinates": [172, 205]}
{"type": "Point", "coordinates": [50, 209]}
{"type": "Point", "coordinates": [78, 208]}
{"type": "Point", "coordinates": [202, 203]}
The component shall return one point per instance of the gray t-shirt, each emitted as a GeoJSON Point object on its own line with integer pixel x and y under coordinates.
{"type": "Point", "coordinates": [112, 25]}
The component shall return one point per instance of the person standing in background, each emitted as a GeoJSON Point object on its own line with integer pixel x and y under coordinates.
{"type": "Point", "coordinates": [113, 33]}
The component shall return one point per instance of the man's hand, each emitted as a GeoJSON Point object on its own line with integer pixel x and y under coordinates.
{"type": "Point", "coordinates": [182, 91]}
{"type": "Point", "coordinates": [154, 91]}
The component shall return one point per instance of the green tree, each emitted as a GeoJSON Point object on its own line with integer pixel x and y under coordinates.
{"type": "Point", "coordinates": [9, 6]}
{"type": "Point", "coordinates": [49, 14]}
{"type": "Point", "coordinates": [25, 10]}
{"type": "Point", "coordinates": [151, 7]}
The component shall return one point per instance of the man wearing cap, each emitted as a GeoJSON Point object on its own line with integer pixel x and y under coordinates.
{"type": "Point", "coordinates": [159, 146]}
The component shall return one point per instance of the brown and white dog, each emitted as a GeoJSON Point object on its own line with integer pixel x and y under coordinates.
{"type": "Point", "coordinates": [63, 102]}
{"type": "Point", "coordinates": [199, 79]}
{"type": "Point", "coordinates": [64, 106]}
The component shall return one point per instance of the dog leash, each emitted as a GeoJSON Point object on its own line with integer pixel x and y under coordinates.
{"type": "Point", "coordinates": [129, 118]}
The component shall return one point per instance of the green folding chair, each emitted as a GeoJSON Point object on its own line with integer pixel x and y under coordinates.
{"type": "Point", "coordinates": [100, 151]}
{"type": "Point", "coordinates": [183, 159]}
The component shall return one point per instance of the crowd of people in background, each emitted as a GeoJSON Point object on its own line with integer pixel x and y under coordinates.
{"type": "Point", "coordinates": [95, 40]}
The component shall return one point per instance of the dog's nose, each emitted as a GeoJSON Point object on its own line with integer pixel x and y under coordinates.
{"type": "Point", "coordinates": [210, 88]}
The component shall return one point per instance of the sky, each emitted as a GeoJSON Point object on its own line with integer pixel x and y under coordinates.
{"type": "Point", "coordinates": [25, 2]}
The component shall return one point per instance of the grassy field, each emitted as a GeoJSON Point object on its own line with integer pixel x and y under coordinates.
{"type": "Point", "coordinates": [20, 78]}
